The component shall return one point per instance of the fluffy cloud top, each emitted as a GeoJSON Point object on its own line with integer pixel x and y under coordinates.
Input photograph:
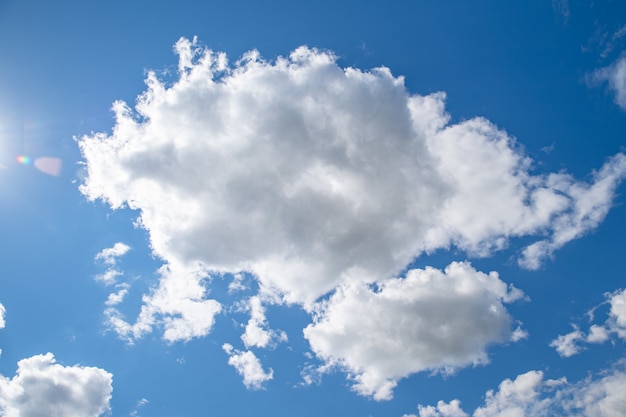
{"type": "Point", "coordinates": [41, 387]}
{"type": "Point", "coordinates": [530, 395]}
{"type": "Point", "coordinates": [430, 320]}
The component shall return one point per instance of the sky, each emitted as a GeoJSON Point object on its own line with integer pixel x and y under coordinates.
{"type": "Point", "coordinates": [369, 209]}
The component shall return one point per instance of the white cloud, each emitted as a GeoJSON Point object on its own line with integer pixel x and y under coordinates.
{"type": "Point", "coordinates": [178, 304]}
{"type": "Point", "coordinates": [109, 255]}
{"type": "Point", "coordinates": [514, 397]}
{"type": "Point", "coordinates": [42, 387]}
{"type": "Point", "coordinates": [256, 333]}
{"type": "Point", "coordinates": [615, 76]}
{"type": "Point", "coordinates": [588, 206]}
{"type": "Point", "coordinates": [617, 300]}
{"type": "Point", "coordinates": [443, 409]}
{"type": "Point", "coordinates": [109, 277]}
{"type": "Point", "coordinates": [237, 284]}
{"type": "Point", "coordinates": [430, 320]}
{"type": "Point", "coordinates": [248, 366]}
{"type": "Point", "coordinates": [3, 322]}
{"type": "Point", "coordinates": [310, 176]}
{"type": "Point", "coordinates": [3, 313]}
{"type": "Point", "coordinates": [566, 344]}
{"type": "Point", "coordinates": [561, 7]}
{"type": "Point", "coordinates": [116, 298]}
{"type": "Point", "coordinates": [140, 404]}
{"type": "Point", "coordinates": [529, 395]}
{"type": "Point", "coordinates": [569, 344]}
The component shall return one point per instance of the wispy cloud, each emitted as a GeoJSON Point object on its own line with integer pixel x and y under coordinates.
{"type": "Point", "coordinates": [615, 76]}
{"type": "Point", "coordinates": [562, 9]}
{"type": "Point", "coordinates": [109, 257]}
{"type": "Point", "coordinates": [3, 312]}
{"type": "Point", "coordinates": [615, 325]}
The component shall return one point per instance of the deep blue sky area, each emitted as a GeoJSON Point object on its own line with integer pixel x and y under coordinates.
{"type": "Point", "coordinates": [549, 73]}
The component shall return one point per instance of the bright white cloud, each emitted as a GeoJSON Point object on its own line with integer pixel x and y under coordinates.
{"type": "Point", "coordinates": [569, 344]}
{"type": "Point", "coordinates": [566, 345]}
{"type": "Point", "coordinates": [514, 398]}
{"type": "Point", "coordinates": [116, 298]}
{"type": "Point", "coordinates": [42, 387]}
{"type": "Point", "coordinates": [615, 76]}
{"type": "Point", "coordinates": [430, 320]}
{"type": "Point", "coordinates": [257, 334]}
{"type": "Point", "coordinates": [443, 409]}
{"type": "Point", "coordinates": [109, 255]}
{"type": "Point", "coordinates": [529, 395]}
{"type": "Point", "coordinates": [2, 319]}
{"type": "Point", "coordinates": [177, 304]}
{"type": "Point", "coordinates": [248, 366]}
{"type": "Point", "coordinates": [310, 176]}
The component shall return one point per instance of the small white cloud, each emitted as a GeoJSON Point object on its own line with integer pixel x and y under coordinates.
{"type": "Point", "coordinates": [109, 255]}
{"type": "Point", "coordinates": [116, 298]}
{"type": "Point", "coordinates": [430, 320]}
{"type": "Point", "coordinates": [615, 76]}
{"type": "Point", "coordinates": [41, 387]}
{"type": "Point", "coordinates": [443, 409]}
{"type": "Point", "coordinates": [109, 277]}
{"type": "Point", "coordinates": [598, 334]}
{"type": "Point", "coordinates": [519, 334]}
{"type": "Point", "coordinates": [248, 366]}
{"type": "Point", "coordinates": [178, 304]}
{"type": "Point", "coordinates": [566, 345]}
{"type": "Point", "coordinates": [237, 284]}
{"type": "Point", "coordinates": [587, 206]}
{"type": "Point", "coordinates": [256, 333]}
{"type": "Point", "coordinates": [513, 397]}
{"type": "Point", "coordinates": [140, 403]}
{"type": "Point", "coordinates": [3, 313]}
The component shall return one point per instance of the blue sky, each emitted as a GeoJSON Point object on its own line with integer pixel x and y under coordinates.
{"type": "Point", "coordinates": [343, 208]}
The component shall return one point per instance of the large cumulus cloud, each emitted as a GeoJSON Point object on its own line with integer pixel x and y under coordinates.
{"type": "Point", "coordinates": [313, 177]}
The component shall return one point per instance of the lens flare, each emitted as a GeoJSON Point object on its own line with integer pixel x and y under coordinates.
{"type": "Point", "coordinates": [24, 160]}
{"type": "Point", "coordinates": [46, 164]}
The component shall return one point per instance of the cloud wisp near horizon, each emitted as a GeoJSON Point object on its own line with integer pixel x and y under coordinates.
{"type": "Point", "coordinates": [324, 184]}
